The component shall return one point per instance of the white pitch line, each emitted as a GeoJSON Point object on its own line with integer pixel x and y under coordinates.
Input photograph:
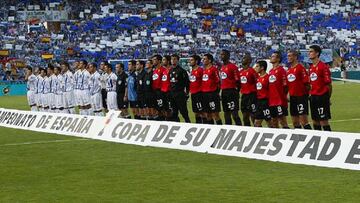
{"type": "Point", "coordinates": [42, 142]}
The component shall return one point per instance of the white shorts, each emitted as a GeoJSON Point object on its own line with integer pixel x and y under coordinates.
{"type": "Point", "coordinates": [51, 100]}
{"type": "Point", "coordinates": [96, 102]}
{"type": "Point", "coordinates": [84, 97]}
{"type": "Point", "coordinates": [31, 98]}
{"type": "Point", "coordinates": [44, 100]}
{"type": "Point", "coordinates": [38, 99]}
{"type": "Point", "coordinates": [59, 101]}
{"type": "Point", "coordinates": [69, 100]}
{"type": "Point", "coordinates": [343, 74]}
{"type": "Point", "coordinates": [77, 97]}
{"type": "Point", "coordinates": [112, 101]}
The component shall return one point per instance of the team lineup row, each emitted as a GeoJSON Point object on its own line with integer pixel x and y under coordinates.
{"type": "Point", "coordinates": [158, 89]}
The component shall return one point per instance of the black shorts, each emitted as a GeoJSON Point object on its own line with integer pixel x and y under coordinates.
{"type": "Point", "coordinates": [104, 97]}
{"type": "Point", "coordinates": [196, 102]}
{"type": "Point", "coordinates": [149, 100]}
{"type": "Point", "coordinates": [320, 107]}
{"type": "Point", "coordinates": [141, 101]}
{"type": "Point", "coordinates": [211, 101]}
{"type": "Point", "coordinates": [166, 101]}
{"type": "Point", "coordinates": [121, 103]}
{"type": "Point", "coordinates": [159, 98]}
{"type": "Point", "coordinates": [299, 105]}
{"type": "Point", "coordinates": [278, 111]}
{"type": "Point", "coordinates": [262, 110]}
{"type": "Point", "coordinates": [248, 103]}
{"type": "Point", "coordinates": [230, 100]}
{"type": "Point", "coordinates": [134, 104]}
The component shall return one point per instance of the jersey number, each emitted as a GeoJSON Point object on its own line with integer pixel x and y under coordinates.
{"type": "Point", "coordinates": [231, 105]}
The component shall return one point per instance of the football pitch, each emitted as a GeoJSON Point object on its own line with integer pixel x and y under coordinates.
{"type": "Point", "coordinates": [41, 167]}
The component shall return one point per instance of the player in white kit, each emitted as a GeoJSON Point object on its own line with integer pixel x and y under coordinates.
{"type": "Point", "coordinates": [45, 91]}
{"type": "Point", "coordinates": [77, 76]}
{"type": "Point", "coordinates": [31, 88]}
{"type": "Point", "coordinates": [103, 76]}
{"type": "Point", "coordinates": [84, 94]}
{"type": "Point", "coordinates": [95, 90]}
{"type": "Point", "coordinates": [39, 89]}
{"type": "Point", "coordinates": [59, 87]}
{"type": "Point", "coordinates": [68, 94]}
{"type": "Point", "coordinates": [52, 88]}
{"type": "Point", "coordinates": [111, 88]}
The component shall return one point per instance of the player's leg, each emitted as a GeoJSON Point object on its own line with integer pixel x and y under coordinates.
{"type": "Point", "coordinates": [326, 114]}
{"type": "Point", "coordinates": [217, 108]}
{"type": "Point", "coordinates": [181, 103]}
{"type": "Point", "coordinates": [245, 109]}
{"type": "Point", "coordinates": [315, 109]}
{"type": "Point", "coordinates": [235, 111]}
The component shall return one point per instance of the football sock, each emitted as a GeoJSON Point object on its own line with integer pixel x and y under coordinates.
{"type": "Point", "coordinates": [307, 126]}
{"type": "Point", "coordinates": [317, 127]}
{"type": "Point", "coordinates": [327, 128]}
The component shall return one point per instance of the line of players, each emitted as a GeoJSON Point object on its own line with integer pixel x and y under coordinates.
{"type": "Point", "coordinates": [159, 88]}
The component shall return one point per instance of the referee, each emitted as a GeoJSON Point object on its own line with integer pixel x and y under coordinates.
{"type": "Point", "coordinates": [179, 90]}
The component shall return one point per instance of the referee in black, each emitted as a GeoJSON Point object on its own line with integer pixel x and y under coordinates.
{"type": "Point", "coordinates": [179, 90]}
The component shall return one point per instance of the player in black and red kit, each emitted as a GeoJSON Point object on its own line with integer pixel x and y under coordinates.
{"type": "Point", "coordinates": [165, 87]}
{"type": "Point", "coordinates": [262, 87]}
{"type": "Point", "coordinates": [248, 77]}
{"type": "Point", "coordinates": [149, 95]}
{"type": "Point", "coordinates": [321, 89]}
{"type": "Point", "coordinates": [298, 83]}
{"type": "Point", "coordinates": [210, 88]}
{"type": "Point", "coordinates": [229, 76]}
{"type": "Point", "coordinates": [156, 85]}
{"type": "Point", "coordinates": [195, 88]}
{"type": "Point", "coordinates": [278, 92]}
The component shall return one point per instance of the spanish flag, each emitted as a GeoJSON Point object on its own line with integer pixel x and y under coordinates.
{"type": "Point", "coordinates": [4, 52]}
{"type": "Point", "coordinates": [47, 56]}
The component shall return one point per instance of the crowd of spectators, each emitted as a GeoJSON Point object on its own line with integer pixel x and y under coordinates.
{"type": "Point", "coordinates": [101, 30]}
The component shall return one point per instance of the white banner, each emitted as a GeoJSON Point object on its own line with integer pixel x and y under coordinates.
{"type": "Point", "coordinates": [309, 147]}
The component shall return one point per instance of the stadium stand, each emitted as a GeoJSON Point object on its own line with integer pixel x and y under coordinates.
{"type": "Point", "coordinates": [102, 30]}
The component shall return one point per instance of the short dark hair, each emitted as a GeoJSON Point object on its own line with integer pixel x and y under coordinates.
{"type": "Point", "coordinates": [210, 57]}
{"type": "Point", "coordinates": [65, 63]}
{"type": "Point", "coordinates": [121, 65]}
{"type": "Point", "coordinates": [316, 48]}
{"type": "Point", "coordinates": [142, 62]}
{"type": "Point", "coordinates": [262, 64]}
{"type": "Point", "coordinates": [108, 65]}
{"type": "Point", "coordinates": [58, 67]}
{"type": "Point", "coordinates": [278, 53]}
{"type": "Point", "coordinates": [176, 56]}
{"type": "Point", "coordinates": [227, 52]}
{"type": "Point", "coordinates": [295, 52]}
{"type": "Point", "coordinates": [94, 64]}
{"type": "Point", "coordinates": [84, 62]}
{"type": "Point", "coordinates": [51, 66]}
{"type": "Point", "coordinates": [197, 58]}
{"type": "Point", "coordinates": [158, 57]}
{"type": "Point", "coordinates": [133, 62]}
{"type": "Point", "coordinates": [168, 57]}
{"type": "Point", "coordinates": [29, 68]}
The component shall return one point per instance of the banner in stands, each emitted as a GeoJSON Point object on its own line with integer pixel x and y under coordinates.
{"type": "Point", "coordinates": [327, 149]}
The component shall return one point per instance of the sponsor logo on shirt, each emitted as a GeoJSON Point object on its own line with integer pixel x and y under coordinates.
{"type": "Point", "coordinates": [291, 77]}
{"type": "Point", "coordinates": [192, 78]}
{"type": "Point", "coordinates": [313, 76]}
{"type": "Point", "coordinates": [223, 75]}
{"type": "Point", "coordinates": [272, 78]}
{"type": "Point", "coordinates": [205, 77]}
{"type": "Point", "coordinates": [164, 78]}
{"type": "Point", "coordinates": [155, 76]}
{"type": "Point", "coordinates": [148, 82]}
{"type": "Point", "coordinates": [243, 79]}
{"type": "Point", "coordinates": [258, 86]}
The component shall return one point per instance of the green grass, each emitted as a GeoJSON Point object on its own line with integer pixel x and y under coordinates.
{"type": "Point", "coordinates": [96, 171]}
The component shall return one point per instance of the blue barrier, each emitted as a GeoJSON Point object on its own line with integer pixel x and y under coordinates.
{"type": "Point", "coordinates": [352, 75]}
{"type": "Point", "coordinates": [12, 89]}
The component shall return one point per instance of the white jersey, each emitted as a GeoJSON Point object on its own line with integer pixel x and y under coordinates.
{"type": "Point", "coordinates": [46, 85]}
{"type": "Point", "coordinates": [31, 83]}
{"type": "Point", "coordinates": [39, 84]}
{"type": "Point", "coordinates": [77, 77]}
{"type": "Point", "coordinates": [68, 79]}
{"type": "Point", "coordinates": [103, 78]}
{"type": "Point", "coordinates": [85, 80]}
{"type": "Point", "coordinates": [111, 83]}
{"type": "Point", "coordinates": [94, 84]}
{"type": "Point", "coordinates": [59, 85]}
{"type": "Point", "coordinates": [53, 83]}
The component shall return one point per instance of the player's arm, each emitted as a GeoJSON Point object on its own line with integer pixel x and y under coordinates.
{"type": "Point", "coordinates": [327, 78]}
{"type": "Point", "coordinates": [126, 90]}
{"type": "Point", "coordinates": [186, 81]}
